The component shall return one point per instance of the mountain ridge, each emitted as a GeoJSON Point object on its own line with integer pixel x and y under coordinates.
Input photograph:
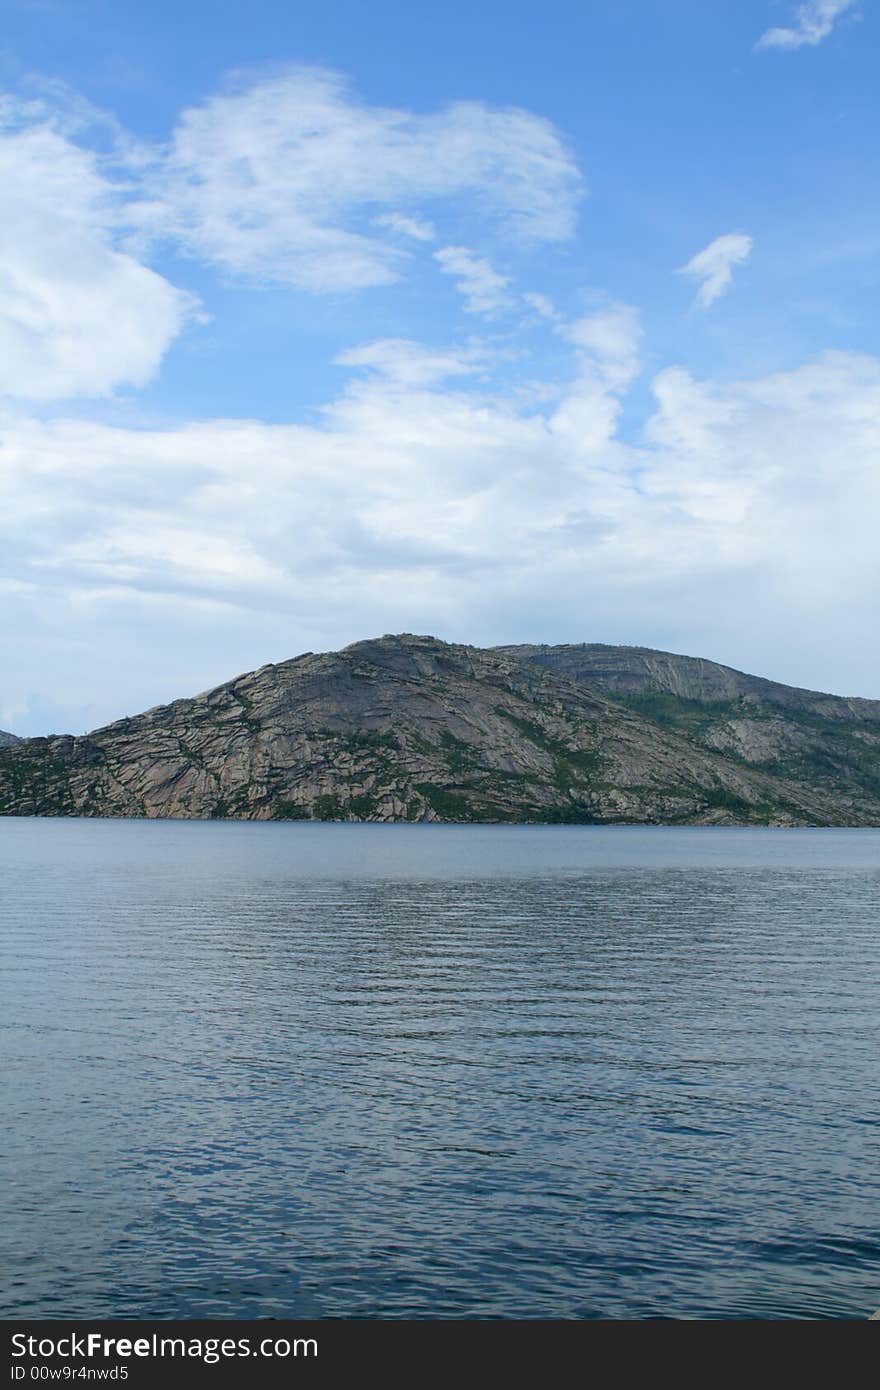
{"type": "Point", "coordinates": [645, 667]}
{"type": "Point", "coordinates": [406, 727]}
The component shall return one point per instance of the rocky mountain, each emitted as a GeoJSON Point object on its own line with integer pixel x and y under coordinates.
{"type": "Point", "coordinates": [636, 671]}
{"type": "Point", "coordinates": [7, 740]}
{"type": "Point", "coordinates": [411, 728]}
{"type": "Point", "coordinates": [826, 741]}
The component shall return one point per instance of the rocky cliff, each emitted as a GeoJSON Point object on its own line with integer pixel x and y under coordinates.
{"type": "Point", "coordinates": [411, 728]}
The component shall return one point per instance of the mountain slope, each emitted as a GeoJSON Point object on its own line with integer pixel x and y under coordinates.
{"type": "Point", "coordinates": [8, 740]}
{"type": "Point", "coordinates": [413, 728]}
{"type": "Point", "coordinates": [640, 670]}
{"type": "Point", "coordinates": [829, 742]}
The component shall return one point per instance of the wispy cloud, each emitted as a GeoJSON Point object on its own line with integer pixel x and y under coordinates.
{"type": "Point", "coordinates": [714, 265]}
{"type": "Point", "coordinates": [409, 363]}
{"type": "Point", "coordinates": [284, 179]}
{"type": "Point", "coordinates": [275, 180]}
{"type": "Point", "coordinates": [414, 227]}
{"type": "Point", "coordinates": [484, 290]}
{"type": "Point", "coordinates": [542, 305]}
{"type": "Point", "coordinates": [813, 23]}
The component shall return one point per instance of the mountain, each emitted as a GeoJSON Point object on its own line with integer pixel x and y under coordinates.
{"type": "Point", "coordinates": [7, 740]}
{"type": "Point", "coordinates": [411, 728]}
{"type": "Point", "coordinates": [829, 742]}
{"type": "Point", "coordinates": [637, 671]}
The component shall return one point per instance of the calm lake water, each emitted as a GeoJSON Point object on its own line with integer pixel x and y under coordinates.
{"type": "Point", "coordinates": [296, 1070]}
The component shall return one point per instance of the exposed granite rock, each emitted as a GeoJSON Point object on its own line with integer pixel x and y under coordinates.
{"type": "Point", "coordinates": [410, 728]}
{"type": "Point", "coordinates": [640, 670]}
{"type": "Point", "coordinates": [828, 742]}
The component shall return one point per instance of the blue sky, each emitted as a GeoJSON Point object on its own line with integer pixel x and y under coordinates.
{"type": "Point", "coordinates": [510, 322]}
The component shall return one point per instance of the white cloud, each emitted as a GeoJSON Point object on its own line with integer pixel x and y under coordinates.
{"type": "Point", "coordinates": [607, 356]}
{"type": "Point", "coordinates": [484, 290]}
{"type": "Point", "coordinates": [430, 494]}
{"type": "Point", "coordinates": [543, 306]}
{"type": "Point", "coordinates": [281, 179]}
{"type": "Point", "coordinates": [611, 339]}
{"type": "Point", "coordinates": [414, 227]}
{"type": "Point", "coordinates": [410, 363]}
{"type": "Point", "coordinates": [77, 316]}
{"type": "Point", "coordinates": [813, 23]}
{"type": "Point", "coordinates": [714, 265]}
{"type": "Point", "coordinates": [778, 472]}
{"type": "Point", "coordinates": [423, 505]}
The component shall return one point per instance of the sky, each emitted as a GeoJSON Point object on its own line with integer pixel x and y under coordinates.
{"type": "Point", "coordinates": [521, 322]}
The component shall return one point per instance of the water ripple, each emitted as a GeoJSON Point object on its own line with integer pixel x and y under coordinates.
{"type": "Point", "coordinates": [312, 1071]}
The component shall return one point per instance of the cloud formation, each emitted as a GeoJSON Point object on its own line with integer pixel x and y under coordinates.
{"type": "Point", "coordinates": [410, 363]}
{"type": "Point", "coordinates": [483, 289]}
{"type": "Point", "coordinates": [610, 338]}
{"type": "Point", "coordinates": [78, 316]}
{"type": "Point", "coordinates": [450, 486]}
{"type": "Point", "coordinates": [280, 180]}
{"type": "Point", "coordinates": [714, 265]}
{"type": "Point", "coordinates": [425, 500]}
{"type": "Point", "coordinates": [814, 21]}
{"type": "Point", "coordinates": [407, 226]}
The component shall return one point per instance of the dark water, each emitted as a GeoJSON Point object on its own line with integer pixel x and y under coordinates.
{"type": "Point", "coordinates": [412, 1071]}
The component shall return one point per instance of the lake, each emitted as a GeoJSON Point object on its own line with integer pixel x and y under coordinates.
{"type": "Point", "coordinates": [314, 1070]}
